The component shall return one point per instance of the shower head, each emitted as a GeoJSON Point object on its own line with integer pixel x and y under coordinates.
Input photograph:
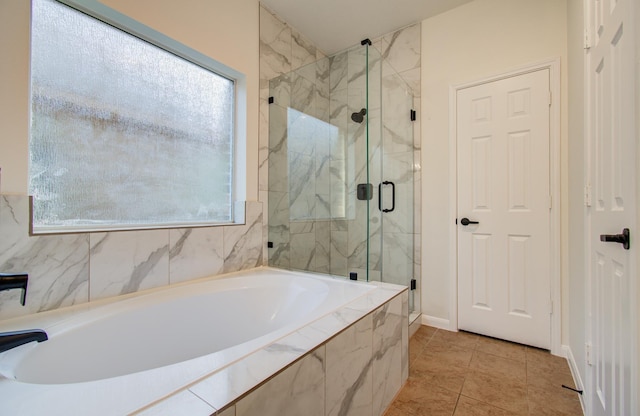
{"type": "Point", "coordinates": [359, 116]}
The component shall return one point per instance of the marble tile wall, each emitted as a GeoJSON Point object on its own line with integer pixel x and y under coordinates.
{"type": "Point", "coordinates": [358, 372]}
{"type": "Point", "coordinates": [76, 268]}
{"type": "Point", "coordinates": [330, 90]}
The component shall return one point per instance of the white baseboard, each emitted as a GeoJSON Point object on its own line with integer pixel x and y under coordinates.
{"type": "Point", "coordinates": [436, 322]}
{"type": "Point", "coordinates": [577, 379]}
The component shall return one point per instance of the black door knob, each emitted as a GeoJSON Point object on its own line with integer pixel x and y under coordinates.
{"type": "Point", "coordinates": [618, 238]}
{"type": "Point", "coordinates": [467, 221]}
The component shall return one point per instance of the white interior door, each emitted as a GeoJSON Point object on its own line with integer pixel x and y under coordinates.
{"type": "Point", "coordinates": [503, 184]}
{"type": "Point", "coordinates": [611, 191]}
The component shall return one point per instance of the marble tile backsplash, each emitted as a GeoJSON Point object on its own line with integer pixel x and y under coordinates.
{"type": "Point", "coordinates": [70, 269]}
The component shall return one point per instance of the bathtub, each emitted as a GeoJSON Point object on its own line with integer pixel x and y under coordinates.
{"type": "Point", "coordinates": [121, 355]}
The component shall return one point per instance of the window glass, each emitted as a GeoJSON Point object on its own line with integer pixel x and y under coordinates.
{"type": "Point", "coordinates": [123, 133]}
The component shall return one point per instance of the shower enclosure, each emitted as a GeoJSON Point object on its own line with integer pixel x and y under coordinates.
{"type": "Point", "coordinates": [341, 169]}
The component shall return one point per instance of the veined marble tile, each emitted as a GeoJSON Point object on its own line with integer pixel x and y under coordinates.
{"type": "Point", "coordinates": [183, 403]}
{"type": "Point", "coordinates": [405, 338]}
{"type": "Point", "coordinates": [303, 52]}
{"type": "Point", "coordinates": [338, 72]}
{"type": "Point", "coordinates": [280, 90]}
{"type": "Point", "coordinates": [397, 258]}
{"type": "Point", "coordinates": [298, 390]}
{"type": "Point", "coordinates": [338, 113]}
{"type": "Point", "coordinates": [275, 46]}
{"type": "Point", "coordinates": [338, 189]}
{"type": "Point", "coordinates": [128, 261]}
{"type": "Point", "coordinates": [302, 227]}
{"type": "Point", "coordinates": [349, 370]}
{"type": "Point", "coordinates": [231, 411]}
{"type": "Point", "coordinates": [195, 252]}
{"type": "Point", "coordinates": [303, 93]}
{"type": "Point", "coordinates": [323, 89]}
{"type": "Point", "coordinates": [243, 243]}
{"type": "Point", "coordinates": [387, 351]}
{"type": "Point", "coordinates": [263, 197]}
{"type": "Point", "coordinates": [307, 71]}
{"type": "Point", "coordinates": [303, 249]}
{"type": "Point", "coordinates": [339, 253]}
{"type": "Point", "coordinates": [357, 67]}
{"type": "Point", "coordinates": [57, 265]}
{"type": "Point", "coordinates": [263, 147]}
{"type": "Point", "coordinates": [301, 134]}
{"type": "Point", "coordinates": [279, 229]}
{"type": "Point", "coordinates": [323, 247]}
{"type": "Point", "coordinates": [278, 149]}
{"type": "Point", "coordinates": [323, 206]}
{"type": "Point", "coordinates": [413, 80]}
{"type": "Point", "coordinates": [302, 194]}
{"type": "Point", "coordinates": [402, 48]}
{"type": "Point", "coordinates": [398, 127]}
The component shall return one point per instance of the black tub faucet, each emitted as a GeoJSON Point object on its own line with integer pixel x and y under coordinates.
{"type": "Point", "coordinates": [15, 281]}
{"type": "Point", "coordinates": [9, 340]}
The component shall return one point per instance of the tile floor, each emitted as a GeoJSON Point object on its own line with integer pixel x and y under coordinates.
{"type": "Point", "coordinates": [463, 374]}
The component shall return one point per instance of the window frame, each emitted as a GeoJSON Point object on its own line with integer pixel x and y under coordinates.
{"type": "Point", "coordinates": [119, 21]}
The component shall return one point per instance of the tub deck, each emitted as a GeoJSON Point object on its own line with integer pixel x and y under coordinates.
{"type": "Point", "coordinates": [205, 384]}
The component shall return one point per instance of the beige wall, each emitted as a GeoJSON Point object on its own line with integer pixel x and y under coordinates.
{"type": "Point", "coordinates": [577, 211]}
{"type": "Point", "coordinates": [477, 40]}
{"type": "Point", "coordinates": [225, 31]}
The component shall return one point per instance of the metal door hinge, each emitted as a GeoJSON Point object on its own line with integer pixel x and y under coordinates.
{"type": "Point", "coordinates": [587, 353]}
{"type": "Point", "coordinates": [412, 115]}
{"type": "Point", "coordinates": [550, 99]}
{"type": "Point", "coordinates": [550, 307]}
{"type": "Point", "coordinates": [413, 284]}
{"type": "Point", "coordinates": [587, 196]}
{"type": "Point", "coordinates": [587, 40]}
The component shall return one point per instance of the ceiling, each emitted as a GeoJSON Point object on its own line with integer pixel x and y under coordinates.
{"type": "Point", "coordinates": [334, 25]}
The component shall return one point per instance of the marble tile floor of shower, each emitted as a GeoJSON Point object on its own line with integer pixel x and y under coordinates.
{"type": "Point", "coordinates": [464, 374]}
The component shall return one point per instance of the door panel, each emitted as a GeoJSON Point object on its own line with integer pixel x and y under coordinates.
{"type": "Point", "coordinates": [611, 161]}
{"type": "Point", "coordinates": [503, 183]}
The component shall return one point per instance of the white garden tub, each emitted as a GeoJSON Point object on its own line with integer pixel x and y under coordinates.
{"type": "Point", "coordinates": [117, 356]}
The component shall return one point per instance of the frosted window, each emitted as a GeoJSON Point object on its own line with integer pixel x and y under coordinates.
{"type": "Point", "coordinates": [123, 133]}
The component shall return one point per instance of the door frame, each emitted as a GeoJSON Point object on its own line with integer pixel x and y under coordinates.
{"type": "Point", "coordinates": [553, 65]}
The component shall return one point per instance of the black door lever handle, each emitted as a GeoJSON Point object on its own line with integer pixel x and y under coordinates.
{"type": "Point", "coordinates": [617, 238]}
{"type": "Point", "coordinates": [467, 221]}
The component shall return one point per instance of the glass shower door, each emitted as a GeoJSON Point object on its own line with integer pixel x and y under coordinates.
{"type": "Point", "coordinates": [391, 165]}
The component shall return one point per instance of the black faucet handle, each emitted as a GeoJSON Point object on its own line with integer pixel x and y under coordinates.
{"type": "Point", "coordinates": [15, 281]}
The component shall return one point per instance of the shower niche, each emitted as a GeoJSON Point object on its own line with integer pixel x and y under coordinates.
{"type": "Point", "coordinates": [341, 169]}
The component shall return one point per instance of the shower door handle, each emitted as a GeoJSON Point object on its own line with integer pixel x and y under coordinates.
{"type": "Point", "coordinates": [393, 196]}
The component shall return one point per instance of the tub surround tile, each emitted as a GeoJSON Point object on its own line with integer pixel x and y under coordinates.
{"type": "Point", "coordinates": [297, 390]}
{"type": "Point", "coordinates": [182, 403]}
{"type": "Point", "coordinates": [299, 353]}
{"type": "Point", "coordinates": [243, 243]}
{"type": "Point", "coordinates": [263, 197]}
{"type": "Point", "coordinates": [194, 253]}
{"type": "Point", "coordinates": [387, 354]}
{"type": "Point", "coordinates": [58, 265]}
{"type": "Point", "coordinates": [349, 362]}
{"type": "Point", "coordinates": [142, 262]}
{"type": "Point", "coordinates": [232, 382]}
{"type": "Point", "coordinates": [70, 269]}
{"type": "Point", "coordinates": [405, 338]}
{"type": "Point", "coordinates": [231, 411]}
